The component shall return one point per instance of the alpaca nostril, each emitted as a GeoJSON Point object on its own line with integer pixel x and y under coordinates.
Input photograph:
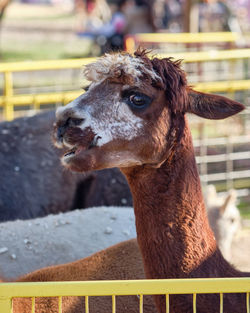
{"type": "Point", "coordinates": [61, 131]}
{"type": "Point", "coordinates": [70, 122]}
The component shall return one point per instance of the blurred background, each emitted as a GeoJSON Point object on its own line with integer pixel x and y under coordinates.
{"type": "Point", "coordinates": [44, 29]}
{"type": "Point", "coordinates": [45, 43]}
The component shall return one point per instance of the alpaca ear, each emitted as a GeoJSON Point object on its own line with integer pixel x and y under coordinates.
{"type": "Point", "coordinates": [230, 200]}
{"type": "Point", "coordinates": [212, 106]}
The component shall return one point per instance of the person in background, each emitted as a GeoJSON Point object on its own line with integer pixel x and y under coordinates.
{"type": "Point", "coordinates": [169, 15]}
{"type": "Point", "coordinates": [91, 13]}
{"type": "Point", "coordinates": [212, 16]}
{"type": "Point", "coordinates": [140, 16]}
{"type": "Point", "coordinates": [109, 35]}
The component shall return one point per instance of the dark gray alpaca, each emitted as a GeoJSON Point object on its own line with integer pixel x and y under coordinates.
{"type": "Point", "coordinates": [32, 181]}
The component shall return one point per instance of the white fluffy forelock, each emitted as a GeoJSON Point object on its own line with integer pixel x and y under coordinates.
{"type": "Point", "coordinates": [111, 65]}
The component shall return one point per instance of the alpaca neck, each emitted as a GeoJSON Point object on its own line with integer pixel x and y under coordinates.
{"type": "Point", "coordinates": [173, 232]}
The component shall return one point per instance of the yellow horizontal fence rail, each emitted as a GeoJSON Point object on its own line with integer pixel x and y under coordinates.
{"type": "Point", "coordinates": [9, 100]}
{"type": "Point", "coordinates": [65, 97]}
{"type": "Point", "coordinates": [8, 291]}
{"type": "Point", "coordinates": [211, 55]}
{"type": "Point", "coordinates": [44, 65]}
{"type": "Point", "coordinates": [53, 97]}
{"type": "Point", "coordinates": [180, 38]}
{"type": "Point", "coordinates": [223, 86]}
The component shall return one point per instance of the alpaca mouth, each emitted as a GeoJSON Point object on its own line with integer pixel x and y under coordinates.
{"type": "Point", "coordinates": [73, 151]}
{"type": "Point", "coordinates": [79, 148]}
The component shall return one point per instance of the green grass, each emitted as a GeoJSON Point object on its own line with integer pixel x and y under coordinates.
{"type": "Point", "coordinates": [25, 44]}
{"type": "Point", "coordinates": [67, 17]}
{"type": "Point", "coordinates": [238, 184]}
{"type": "Point", "coordinates": [244, 209]}
{"type": "Point", "coordinates": [43, 50]}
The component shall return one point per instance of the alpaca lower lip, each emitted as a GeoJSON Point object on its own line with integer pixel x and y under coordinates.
{"type": "Point", "coordinates": [74, 151]}
{"type": "Point", "coordinates": [69, 153]}
{"type": "Point", "coordinates": [77, 149]}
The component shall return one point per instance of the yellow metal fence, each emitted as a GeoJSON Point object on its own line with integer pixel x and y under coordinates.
{"type": "Point", "coordinates": [9, 100]}
{"type": "Point", "coordinates": [133, 41]}
{"type": "Point", "coordinates": [166, 287]}
{"type": "Point", "coordinates": [8, 291]}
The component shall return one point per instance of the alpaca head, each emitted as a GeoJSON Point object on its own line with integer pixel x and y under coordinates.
{"type": "Point", "coordinates": [132, 113]}
{"type": "Point", "coordinates": [224, 217]}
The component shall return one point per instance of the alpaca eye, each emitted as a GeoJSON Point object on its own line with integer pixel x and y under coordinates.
{"type": "Point", "coordinates": [137, 101]}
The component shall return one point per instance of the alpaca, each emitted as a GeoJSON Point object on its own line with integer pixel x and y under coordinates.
{"type": "Point", "coordinates": [133, 117]}
{"type": "Point", "coordinates": [33, 244]}
{"type": "Point", "coordinates": [30, 247]}
{"type": "Point", "coordinates": [33, 182]}
{"type": "Point", "coordinates": [121, 261]}
{"type": "Point", "coordinates": [224, 218]}
{"type": "Point", "coordinates": [141, 128]}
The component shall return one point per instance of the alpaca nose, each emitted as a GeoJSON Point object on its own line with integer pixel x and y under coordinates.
{"type": "Point", "coordinates": [69, 122]}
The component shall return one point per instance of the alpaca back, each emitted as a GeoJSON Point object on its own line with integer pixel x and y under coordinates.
{"type": "Point", "coordinates": [119, 262]}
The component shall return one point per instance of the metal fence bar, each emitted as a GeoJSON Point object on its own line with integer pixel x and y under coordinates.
{"type": "Point", "coordinates": [8, 93]}
{"type": "Point", "coordinates": [167, 303]}
{"type": "Point", "coordinates": [5, 304]}
{"type": "Point", "coordinates": [33, 304]}
{"type": "Point", "coordinates": [229, 164]}
{"type": "Point", "coordinates": [194, 303]}
{"type": "Point", "coordinates": [209, 56]}
{"type": "Point", "coordinates": [223, 86]}
{"type": "Point", "coordinates": [59, 304]}
{"type": "Point", "coordinates": [221, 37]}
{"type": "Point", "coordinates": [221, 302]}
{"type": "Point", "coordinates": [188, 37]}
{"type": "Point", "coordinates": [86, 304]}
{"type": "Point", "coordinates": [222, 140]}
{"type": "Point", "coordinates": [113, 304]}
{"type": "Point", "coordinates": [125, 287]}
{"type": "Point", "coordinates": [225, 176]}
{"type": "Point", "coordinates": [247, 302]}
{"type": "Point", "coordinates": [45, 65]}
{"type": "Point", "coordinates": [200, 56]}
{"type": "Point", "coordinates": [223, 157]}
{"type": "Point", "coordinates": [9, 100]}
{"type": "Point", "coordinates": [141, 304]}
{"type": "Point", "coordinates": [19, 100]}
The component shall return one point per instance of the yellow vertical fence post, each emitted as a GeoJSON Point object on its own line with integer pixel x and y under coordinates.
{"type": "Point", "coordinates": [221, 302]}
{"type": "Point", "coordinates": [247, 298]}
{"type": "Point", "coordinates": [194, 302]}
{"type": "Point", "coordinates": [36, 104]}
{"type": "Point", "coordinates": [167, 303]}
{"type": "Point", "coordinates": [8, 92]}
{"type": "Point", "coordinates": [130, 44]}
{"type": "Point", "coordinates": [141, 304]}
{"type": "Point", "coordinates": [33, 304]}
{"type": "Point", "coordinates": [113, 304]}
{"type": "Point", "coordinates": [5, 305]}
{"type": "Point", "coordinates": [59, 304]}
{"type": "Point", "coordinates": [86, 304]}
